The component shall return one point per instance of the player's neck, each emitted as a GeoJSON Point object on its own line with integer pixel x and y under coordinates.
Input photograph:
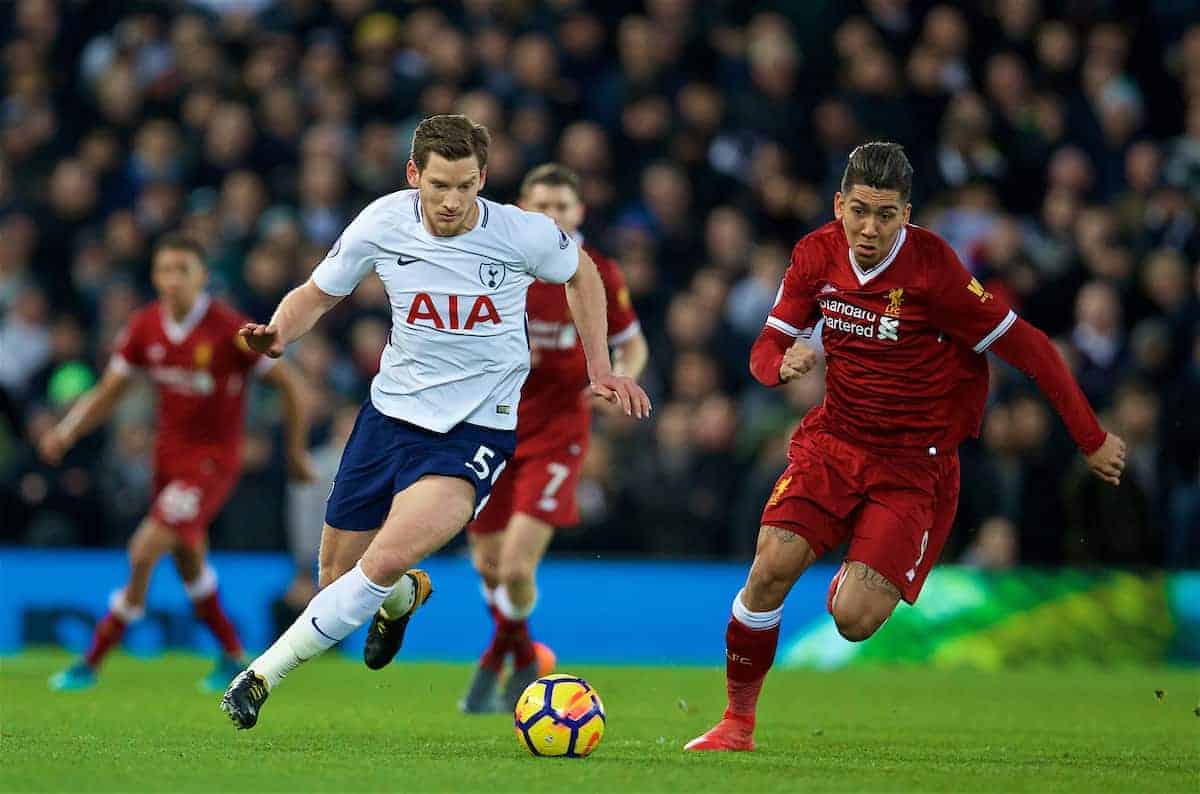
{"type": "Point", "coordinates": [178, 314]}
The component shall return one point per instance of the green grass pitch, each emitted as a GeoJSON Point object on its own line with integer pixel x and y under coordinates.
{"type": "Point", "coordinates": [335, 726]}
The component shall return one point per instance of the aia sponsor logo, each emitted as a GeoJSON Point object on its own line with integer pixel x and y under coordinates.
{"type": "Point", "coordinates": [452, 312]}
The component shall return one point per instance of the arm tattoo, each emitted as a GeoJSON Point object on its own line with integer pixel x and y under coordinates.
{"type": "Point", "coordinates": [872, 579]}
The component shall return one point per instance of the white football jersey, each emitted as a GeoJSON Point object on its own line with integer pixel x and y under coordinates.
{"type": "Point", "coordinates": [458, 349]}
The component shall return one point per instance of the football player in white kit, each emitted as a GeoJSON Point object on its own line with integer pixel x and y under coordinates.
{"type": "Point", "coordinates": [441, 419]}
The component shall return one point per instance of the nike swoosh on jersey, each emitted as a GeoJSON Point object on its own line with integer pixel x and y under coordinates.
{"type": "Point", "coordinates": [403, 260]}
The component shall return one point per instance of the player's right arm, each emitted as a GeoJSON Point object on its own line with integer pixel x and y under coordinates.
{"type": "Point", "coordinates": [347, 263]}
{"type": "Point", "coordinates": [780, 353]}
{"type": "Point", "coordinates": [88, 413]}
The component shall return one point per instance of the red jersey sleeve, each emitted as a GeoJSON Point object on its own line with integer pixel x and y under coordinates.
{"type": "Point", "coordinates": [622, 320]}
{"type": "Point", "coordinates": [961, 307]}
{"type": "Point", "coordinates": [793, 316]}
{"type": "Point", "coordinates": [795, 311]}
{"type": "Point", "coordinates": [129, 348]}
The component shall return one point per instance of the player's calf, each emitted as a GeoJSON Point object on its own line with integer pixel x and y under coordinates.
{"type": "Point", "coordinates": [861, 600]}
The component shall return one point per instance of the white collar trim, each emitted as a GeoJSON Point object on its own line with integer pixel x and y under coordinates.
{"type": "Point", "coordinates": [864, 276]}
{"type": "Point", "coordinates": [178, 331]}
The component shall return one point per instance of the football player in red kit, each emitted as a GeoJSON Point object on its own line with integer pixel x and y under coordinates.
{"type": "Point", "coordinates": [536, 493]}
{"type": "Point", "coordinates": [188, 344]}
{"type": "Point", "coordinates": [876, 464]}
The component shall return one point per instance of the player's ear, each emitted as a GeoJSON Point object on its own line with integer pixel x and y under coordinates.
{"type": "Point", "coordinates": [907, 213]}
{"type": "Point", "coordinates": [837, 205]}
{"type": "Point", "coordinates": [482, 177]}
{"type": "Point", "coordinates": [413, 174]}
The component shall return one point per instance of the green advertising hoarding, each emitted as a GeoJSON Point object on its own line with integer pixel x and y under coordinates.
{"type": "Point", "coordinates": [968, 618]}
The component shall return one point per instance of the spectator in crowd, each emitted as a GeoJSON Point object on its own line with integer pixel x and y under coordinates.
{"type": "Point", "coordinates": [1057, 148]}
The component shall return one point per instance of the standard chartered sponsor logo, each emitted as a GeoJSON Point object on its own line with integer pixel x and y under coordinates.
{"type": "Point", "coordinates": [851, 319]}
{"type": "Point", "coordinates": [848, 310]}
{"type": "Point", "coordinates": [189, 381]}
{"type": "Point", "coordinates": [849, 327]}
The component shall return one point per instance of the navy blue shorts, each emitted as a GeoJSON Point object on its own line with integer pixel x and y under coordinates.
{"type": "Point", "coordinates": [385, 455]}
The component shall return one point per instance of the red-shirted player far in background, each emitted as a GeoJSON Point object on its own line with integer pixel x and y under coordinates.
{"type": "Point", "coordinates": [876, 464]}
{"type": "Point", "coordinates": [188, 343]}
{"type": "Point", "coordinates": [536, 493]}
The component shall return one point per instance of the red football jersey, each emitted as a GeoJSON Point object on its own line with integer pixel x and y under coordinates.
{"type": "Point", "coordinates": [551, 402]}
{"type": "Point", "coordinates": [903, 341]}
{"type": "Point", "coordinates": [199, 366]}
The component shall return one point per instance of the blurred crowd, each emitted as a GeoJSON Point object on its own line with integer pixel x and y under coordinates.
{"type": "Point", "coordinates": [1056, 146]}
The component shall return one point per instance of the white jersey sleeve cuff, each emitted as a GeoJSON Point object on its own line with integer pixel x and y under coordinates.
{"type": "Point", "coordinates": [780, 325]}
{"type": "Point", "coordinates": [119, 364]}
{"type": "Point", "coordinates": [623, 336]}
{"type": "Point", "coordinates": [996, 332]}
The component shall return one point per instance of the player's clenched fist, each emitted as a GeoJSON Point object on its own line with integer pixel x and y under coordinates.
{"type": "Point", "coordinates": [799, 359]}
{"type": "Point", "coordinates": [623, 391]}
{"type": "Point", "coordinates": [1108, 462]}
{"type": "Point", "coordinates": [262, 339]}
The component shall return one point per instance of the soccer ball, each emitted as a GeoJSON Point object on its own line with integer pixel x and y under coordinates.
{"type": "Point", "coordinates": [559, 715]}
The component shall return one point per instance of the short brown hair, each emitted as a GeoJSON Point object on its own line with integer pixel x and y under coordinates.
{"type": "Point", "coordinates": [452, 137]}
{"type": "Point", "coordinates": [552, 174]}
{"type": "Point", "coordinates": [881, 165]}
{"type": "Point", "coordinates": [176, 241]}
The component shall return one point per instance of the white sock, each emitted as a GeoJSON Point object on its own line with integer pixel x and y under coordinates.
{"type": "Point", "coordinates": [507, 608]}
{"type": "Point", "coordinates": [755, 620]}
{"type": "Point", "coordinates": [404, 595]}
{"type": "Point", "coordinates": [332, 615]}
{"type": "Point", "coordinates": [203, 585]}
{"type": "Point", "coordinates": [121, 608]}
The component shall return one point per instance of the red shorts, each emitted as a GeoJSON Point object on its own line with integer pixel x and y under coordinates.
{"type": "Point", "coordinates": [541, 485]}
{"type": "Point", "coordinates": [896, 511]}
{"type": "Point", "coordinates": [189, 494]}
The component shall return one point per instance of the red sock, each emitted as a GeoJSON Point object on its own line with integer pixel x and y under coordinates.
{"type": "Point", "coordinates": [749, 654]}
{"type": "Point", "coordinates": [209, 610]}
{"type": "Point", "coordinates": [493, 656]}
{"type": "Point", "coordinates": [107, 636]}
{"type": "Point", "coordinates": [521, 643]}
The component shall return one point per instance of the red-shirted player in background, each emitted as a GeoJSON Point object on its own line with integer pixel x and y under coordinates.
{"type": "Point", "coordinates": [876, 464]}
{"type": "Point", "coordinates": [188, 344]}
{"type": "Point", "coordinates": [536, 493]}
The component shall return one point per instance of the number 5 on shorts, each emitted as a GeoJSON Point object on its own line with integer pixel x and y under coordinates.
{"type": "Point", "coordinates": [482, 464]}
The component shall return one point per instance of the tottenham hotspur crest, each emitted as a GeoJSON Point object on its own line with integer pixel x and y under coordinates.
{"type": "Point", "coordinates": [491, 274]}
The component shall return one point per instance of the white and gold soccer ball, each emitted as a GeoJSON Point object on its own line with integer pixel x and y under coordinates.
{"type": "Point", "coordinates": [559, 715]}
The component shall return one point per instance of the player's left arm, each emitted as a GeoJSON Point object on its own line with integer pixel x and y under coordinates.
{"type": "Point", "coordinates": [630, 352]}
{"type": "Point", "coordinates": [552, 256]}
{"type": "Point", "coordinates": [962, 308]}
{"type": "Point", "coordinates": [283, 377]}
{"type": "Point", "coordinates": [585, 296]}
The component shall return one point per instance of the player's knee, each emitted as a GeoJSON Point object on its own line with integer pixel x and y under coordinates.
{"type": "Point", "coordinates": [857, 623]}
{"type": "Point", "coordinates": [516, 573]}
{"type": "Point", "coordinates": [385, 566]}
